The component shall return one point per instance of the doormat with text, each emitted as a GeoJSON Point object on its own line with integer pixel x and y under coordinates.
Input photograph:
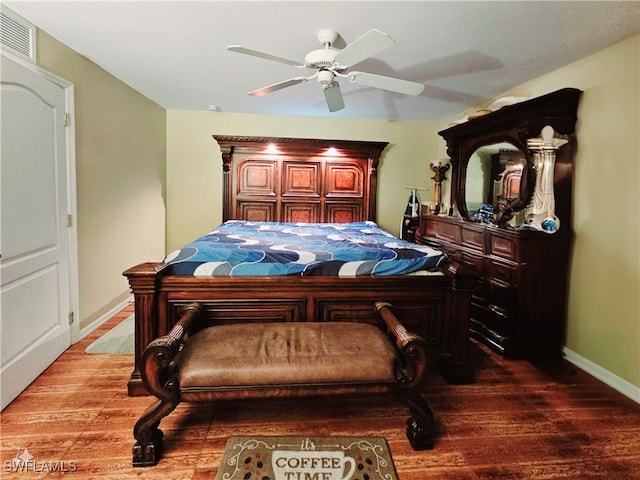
{"type": "Point", "coordinates": [306, 458]}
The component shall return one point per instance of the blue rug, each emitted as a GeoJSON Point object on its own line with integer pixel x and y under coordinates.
{"type": "Point", "coordinates": [118, 340]}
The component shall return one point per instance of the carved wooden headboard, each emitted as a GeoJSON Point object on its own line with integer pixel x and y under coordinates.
{"type": "Point", "coordinates": [299, 179]}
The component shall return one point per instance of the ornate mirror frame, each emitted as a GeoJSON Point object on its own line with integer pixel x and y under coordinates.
{"type": "Point", "coordinates": [516, 124]}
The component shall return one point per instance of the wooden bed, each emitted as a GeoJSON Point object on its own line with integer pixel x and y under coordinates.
{"type": "Point", "coordinates": [305, 180]}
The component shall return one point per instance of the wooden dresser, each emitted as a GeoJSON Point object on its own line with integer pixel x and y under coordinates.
{"type": "Point", "coordinates": [510, 221]}
{"type": "Point", "coordinates": [519, 305]}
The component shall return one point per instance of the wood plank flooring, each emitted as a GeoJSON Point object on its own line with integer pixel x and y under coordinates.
{"type": "Point", "coordinates": [515, 422]}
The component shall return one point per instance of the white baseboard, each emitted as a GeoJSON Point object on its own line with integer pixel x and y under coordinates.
{"type": "Point", "coordinates": [103, 318]}
{"type": "Point", "coordinates": [605, 376]}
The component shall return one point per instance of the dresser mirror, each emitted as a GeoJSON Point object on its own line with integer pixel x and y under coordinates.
{"type": "Point", "coordinates": [496, 184]}
{"type": "Point", "coordinates": [487, 153]}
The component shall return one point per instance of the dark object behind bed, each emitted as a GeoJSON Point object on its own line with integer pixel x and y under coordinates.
{"type": "Point", "coordinates": [306, 181]}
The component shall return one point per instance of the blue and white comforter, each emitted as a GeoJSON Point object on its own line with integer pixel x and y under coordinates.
{"type": "Point", "coordinates": [243, 248]}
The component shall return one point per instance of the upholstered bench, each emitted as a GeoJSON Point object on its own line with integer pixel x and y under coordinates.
{"type": "Point", "coordinates": [280, 359]}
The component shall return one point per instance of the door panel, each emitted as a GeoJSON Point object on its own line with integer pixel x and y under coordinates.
{"type": "Point", "coordinates": [19, 294]}
{"type": "Point", "coordinates": [35, 262]}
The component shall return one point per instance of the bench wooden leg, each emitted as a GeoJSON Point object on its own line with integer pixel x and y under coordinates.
{"type": "Point", "coordinates": [148, 448]}
{"type": "Point", "coordinates": [420, 428]}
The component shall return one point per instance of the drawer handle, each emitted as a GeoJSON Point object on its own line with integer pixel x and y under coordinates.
{"type": "Point", "coordinates": [497, 283]}
{"type": "Point", "coordinates": [499, 311]}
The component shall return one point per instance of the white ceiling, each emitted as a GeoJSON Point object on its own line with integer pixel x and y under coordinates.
{"type": "Point", "coordinates": [466, 53]}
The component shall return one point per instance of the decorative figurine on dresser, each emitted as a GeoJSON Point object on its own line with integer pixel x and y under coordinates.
{"type": "Point", "coordinates": [510, 221]}
{"type": "Point", "coordinates": [439, 171]}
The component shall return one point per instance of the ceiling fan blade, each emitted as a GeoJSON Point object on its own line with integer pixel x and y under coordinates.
{"type": "Point", "coordinates": [333, 96]}
{"type": "Point", "coordinates": [368, 45]}
{"type": "Point", "coordinates": [386, 83]}
{"type": "Point", "coordinates": [266, 56]}
{"type": "Point", "coordinates": [278, 86]}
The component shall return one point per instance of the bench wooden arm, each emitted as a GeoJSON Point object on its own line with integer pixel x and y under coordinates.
{"type": "Point", "coordinates": [158, 355]}
{"type": "Point", "coordinates": [412, 347]}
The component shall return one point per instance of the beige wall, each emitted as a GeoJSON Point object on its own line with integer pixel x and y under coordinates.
{"type": "Point", "coordinates": [194, 162]}
{"type": "Point", "coordinates": [120, 165]}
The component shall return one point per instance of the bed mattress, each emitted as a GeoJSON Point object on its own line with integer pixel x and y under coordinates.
{"type": "Point", "coordinates": [244, 248]}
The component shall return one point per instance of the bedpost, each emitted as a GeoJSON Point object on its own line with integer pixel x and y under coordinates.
{"type": "Point", "coordinates": [143, 280]}
{"type": "Point", "coordinates": [373, 188]}
{"type": "Point", "coordinates": [227, 193]}
{"type": "Point", "coordinates": [456, 367]}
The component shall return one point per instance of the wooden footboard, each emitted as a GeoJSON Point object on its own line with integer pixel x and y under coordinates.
{"type": "Point", "coordinates": [436, 307]}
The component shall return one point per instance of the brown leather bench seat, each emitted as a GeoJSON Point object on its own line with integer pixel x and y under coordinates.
{"type": "Point", "coordinates": [196, 363]}
{"type": "Point", "coordinates": [255, 355]}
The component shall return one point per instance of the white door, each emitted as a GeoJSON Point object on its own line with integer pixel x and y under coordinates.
{"type": "Point", "coordinates": [36, 178]}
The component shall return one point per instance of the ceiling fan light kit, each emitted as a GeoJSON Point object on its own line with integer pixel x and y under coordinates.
{"type": "Point", "coordinates": [327, 63]}
{"type": "Point", "coordinates": [333, 96]}
{"type": "Point", "coordinates": [325, 77]}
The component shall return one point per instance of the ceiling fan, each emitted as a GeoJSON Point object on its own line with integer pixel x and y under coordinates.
{"type": "Point", "coordinates": [327, 63]}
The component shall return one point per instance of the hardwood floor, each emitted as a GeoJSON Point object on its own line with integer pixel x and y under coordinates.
{"type": "Point", "coordinates": [515, 422]}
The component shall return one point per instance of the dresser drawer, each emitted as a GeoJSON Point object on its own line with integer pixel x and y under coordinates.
{"type": "Point", "coordinates": [504, 247]}
{"type": "Point", "coordinates": [502, 275]}
{"type": "Point", "coordinates": [448, 231]}
{"type": "Point", "coordinates": [474, 262]}
{"type": "Point", "coordinates": [473, 238]}
{"type": "Point", "coordinates": [500, 320]}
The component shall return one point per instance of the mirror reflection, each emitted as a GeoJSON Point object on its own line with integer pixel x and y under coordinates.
{"type": "Point", "coordinates": [493, 182]}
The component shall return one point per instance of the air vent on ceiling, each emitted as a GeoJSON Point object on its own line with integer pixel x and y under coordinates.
{"type": "Point", "coordinates": [17, 35]}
